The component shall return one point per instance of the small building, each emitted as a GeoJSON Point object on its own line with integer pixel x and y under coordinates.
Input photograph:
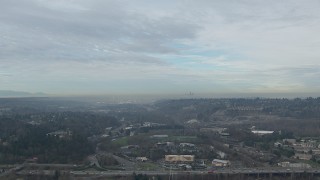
{"type": "Point", "coordinates": [187, 145]}
{"type": "Point", "coordinates": [107, 129]}
{"type": "Point", "coordinates": [316, 151]}
{"type": "Point", "coordinates": [34, 123]}
{"type": "Point", "coordinates": [293, 165]}
{"type": "Point", "coordinates": [193, 121]}
{"type": "Point", "coordinates": [224, 134]}
{"type": "Point", "coordinates": [300, 165]}
{"type": "Point", "coordinates": [289, 141]}
{"type": "Point", "coordinates": [188, 148]}
{"type": "Point", "coordinates": [150, 124]}
{"type": "Point", "coordinates": [213, 130]}
{"type": "Point", "coordinates": [164, 144]}
{"type": "Point", "coordinates": [159, 136]}
{"type": "Point", "coordinates": [130, 147]}
{"type": "Point", "coordinates": [104, 135]}
{"type": "Point", "coordinates": [302, 156]}
{"type": "Point", "coordinates": [277, 144]}
{"type": "Point", "coordinates": [261, 133]}
{"type": "Point", "coordinates": [32, 160]}
{"type": "Point", "coordinates": [142, 159]}
{"type": "Point", "coordinates": [61, 134]}
{"type": "Point", "coordinates": [221, 154]}
{"type": "Point", "coordinates": [227, 145]}
{"type": "Point", "coordinates": [220, 163]}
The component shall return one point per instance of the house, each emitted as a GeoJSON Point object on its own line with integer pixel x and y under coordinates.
{"type": "Point", "coordinates": [142, 159]}
{"type": "Point", "coordinates": [185, 166]}
{"type": "Point", "coordinates": [220, 163]}
{"type": "Point", "coordinates": [166, 146]}
{"type": "Point", "coordinates": [188, 147]}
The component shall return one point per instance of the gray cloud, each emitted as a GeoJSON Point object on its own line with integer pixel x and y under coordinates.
{"type": "Point", "coordinates": [42, 32]}
{"type": "Point", "coordinates": [226, 45]}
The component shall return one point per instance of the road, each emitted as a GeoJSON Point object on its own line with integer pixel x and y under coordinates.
{"type": "Point", "coordinates": [276, 170]}
{"type": "Point", "coordinates": [128, 165]}
{"type": "Point", "coordinates": [12, 170]}
{"type": "Point", "coordinates": [94, 161]}
{"type": "Point", "coordinates": [23, 169]}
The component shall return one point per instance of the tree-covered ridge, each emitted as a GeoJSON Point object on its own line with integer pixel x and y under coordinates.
{"type": "Point", "coordinates": [21, 140]}
{"type": "Point", "coordinates": [298, 107]}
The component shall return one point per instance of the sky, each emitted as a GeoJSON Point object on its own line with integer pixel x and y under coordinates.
{"type": "Point", "coordinates": [151, 47]}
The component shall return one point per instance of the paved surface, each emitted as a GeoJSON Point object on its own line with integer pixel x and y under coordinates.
{"type": "Point", "coordinates": [22, 170]}
{"type": "Point", "coordinates": [222, 171]}
{"type": "Point", "coordinates": [128, 165]}
{"type": "Point", "coordinates": [94, 161]}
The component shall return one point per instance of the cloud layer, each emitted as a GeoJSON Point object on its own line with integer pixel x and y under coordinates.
{"type": "Point", "coordinates": [104, 46]}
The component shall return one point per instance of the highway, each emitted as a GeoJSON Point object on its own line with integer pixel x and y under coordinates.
{"type": "Point", "coordinates": [275, 170]}
{"type": "Point", "coordinates": [35, 169]}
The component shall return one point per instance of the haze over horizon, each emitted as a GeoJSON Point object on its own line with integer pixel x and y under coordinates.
{"type": "Point", "coordinates": [96, 47]}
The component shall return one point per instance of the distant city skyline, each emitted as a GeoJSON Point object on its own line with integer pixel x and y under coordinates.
{"type": "Point", "coordinates": [97, 47]}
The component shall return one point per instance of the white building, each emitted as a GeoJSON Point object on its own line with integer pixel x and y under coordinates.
{"type": "Point", "coordinates": [262, 132]}
{"type": "Point", "coordinates": [186, 145]}
{"type": "Point", "coordinates": [159, 136]}
{"type": "Point", "coordinates": [293, 165]}
{"type": "Point", "coordinates": [142, 159]}
{"type": "Point", "coordinates": [222, 155]}
{"type": "Point", "coordinates": [302, 156]}
{"type": "Point", "coordinates": [289, 141]}
{"type": "Point", "coordinates": [220, 163]}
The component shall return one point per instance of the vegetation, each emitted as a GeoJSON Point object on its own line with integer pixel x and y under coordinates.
{"type": "Point", "coordinates": [28, 127]}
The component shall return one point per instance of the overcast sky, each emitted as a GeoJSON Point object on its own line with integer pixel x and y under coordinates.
{"type": "Point", "coordinates": [144, 46]}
